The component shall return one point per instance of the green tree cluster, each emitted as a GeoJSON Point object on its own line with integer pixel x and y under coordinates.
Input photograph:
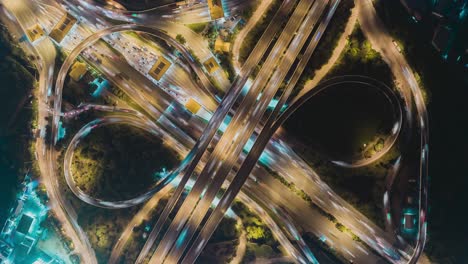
{"type": "Point", "coordinates": [16, 117]}
{"type": "Point", "coordinates": [256, 32]}
{"type": "Point", "coordinates": [226, 230]}
{"type": "Point", "coordinates": [327, 43]}
{"type": "Point", "coordinates": [118, 162]}
{"type": "Point", "coordinates": [181, 39]}
{"type": "Point", "coordinates": [257, 231]}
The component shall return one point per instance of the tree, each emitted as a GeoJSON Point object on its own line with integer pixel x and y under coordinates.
{"type": "Point", "coordinates": [255, 233]}
{"type": "Point", "coordinates": [340, 227]}
{"type": "Point", "coordinates": [181, 39]}
{"type": "Point", "coordinates": [265, 251]}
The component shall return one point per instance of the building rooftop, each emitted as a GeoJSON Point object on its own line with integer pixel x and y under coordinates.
{"type": "Point", "coordinates": [24, 224]}
{"type": "Point", "coordinates": [216, 9]}
{"type": "Point", "coordinates": [211, 65]}
{"type": "Point", "coordinates": [159, 68]}
{"type": "Point", "coordinates": [78, 70]}
{"type": "Point", "coordinates": [193, 106]}
{"type": "Point", "coordinates": [5, 250]}
{"type": "Point", "coordinates": [101, 85]}
{"type": "Point", "coordinates": [63, 27]}
{"type": "Point", "coordinates": [221, 45]}
{"type": "Point", "coordinates": [35, 32]}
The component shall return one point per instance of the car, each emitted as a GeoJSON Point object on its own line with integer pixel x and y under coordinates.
{"type": "Point", "coordinates": [396, 45]}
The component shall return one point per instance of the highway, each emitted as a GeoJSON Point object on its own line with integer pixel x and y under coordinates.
{"type": "Point", "coordinates": [273, 192]}
{"type": "Point", "coordinates": [413, 91]}
{"type": "Point", "coordinates": [197, 12]}
{"type": "Point", "coordinates": [196, 42]}
{"type": "Point", "coordinates": [233, 140]}
{"type": "Point", "coordinates": [156, 32]}
{"type": "Point", "coordinates": [218, 117]}
{"type": "Point", "coordinates": [132, 118]}
{"type": "Point", "coordinates": [271, 126]}
{"type": "Point", "coordinates": [378, 35]}
{"type": "Point", "coordinates": [407, 76]}
{"type": "Point", "coordinates": [143, 214]}
{"type": "Point", "coordinates": [138, 116]}
{"type": "Point", "coordinates": [244, 127]}
{"type": "Point", "coordinates": [51, 49]}
{"type": "Point", "coordinates": [88, 42]}
{"type": "Point", "coordinates": [95, 37]}
{"type": "Point", "coordinates": [135, 55]}
{"type": "Point", "coordinates": [75, 217]}
{"type": "Point", "coordinates": [257, 149]}
{"type": "Point", "coordinates": [129, 118]}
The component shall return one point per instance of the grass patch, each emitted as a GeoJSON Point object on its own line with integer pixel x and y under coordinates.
{"type": "Point", "coordinates": [197, 27]}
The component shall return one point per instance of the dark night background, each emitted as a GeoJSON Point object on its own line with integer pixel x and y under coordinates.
{"type": "Point", "coordinates": [447, 85]}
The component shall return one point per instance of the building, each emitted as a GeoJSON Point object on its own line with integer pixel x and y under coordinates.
{"type": "Point", "coordinates": [78, 70]}
{"type": "Point", "coordinates": [159, 68]}
{"type": "Point", "coordinates": [409, 221]}
{"type": "Point", "coordinates": [5, 251]}
{"type": "Point", "coordinates": [193, 106]}
{"type": "Point", "coordinates": [43, 258]}
{"type": "Point", "coordinates": [22, 229]}
{"type": "Point", "coordinates": [216, 9]}
{"type": "Point", "coordinates": [101, 85]}
{"type": "Point", "coordinates": [448, 19]}
{"type": "Point", "coordinates": [62, 28]}
{"type": "Point", "coordinates": [24, 224]}
{"type": "Point", "coordinates": [35, 32]}
{"type": "Point", "coordinates": [211, 65]}
{"type": "Point", "coordinates": [221, 45]}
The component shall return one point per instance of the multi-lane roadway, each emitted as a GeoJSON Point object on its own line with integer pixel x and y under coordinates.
{"type": "Point", "coordinates": [215, 122]}
{"type": "Point", "coordinates": [239, 130]}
